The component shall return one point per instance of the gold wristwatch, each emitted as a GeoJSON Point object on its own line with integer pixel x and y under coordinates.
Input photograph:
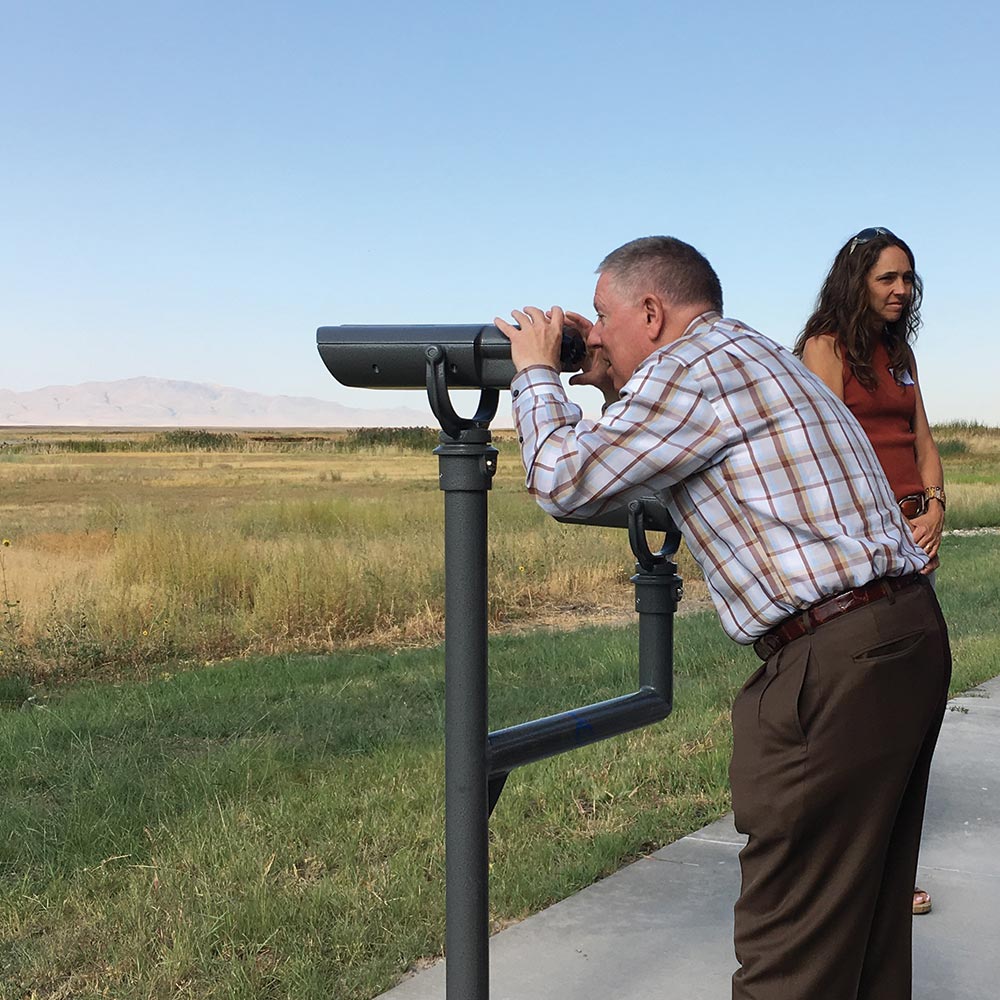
{"type": "Point", "coordinates": [936, 493]}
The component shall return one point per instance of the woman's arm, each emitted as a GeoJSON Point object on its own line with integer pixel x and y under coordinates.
{"type": "Point", "coordinates": [821, 355]}
{"type": "Point", "coordinates": [926, 528]}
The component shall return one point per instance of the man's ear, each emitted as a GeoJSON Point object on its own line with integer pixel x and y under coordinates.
{"type": "Point", "coordinates": [655, 314]}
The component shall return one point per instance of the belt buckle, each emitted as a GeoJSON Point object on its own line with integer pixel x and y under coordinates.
{"type": "Point", "coordinates": [913, 505]}
{"type": "Point", "coordinates": [844, 601]}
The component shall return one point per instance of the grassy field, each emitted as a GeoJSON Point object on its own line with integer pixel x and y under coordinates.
{"type": "Point", "coordinates": [271, 827]}
{"type": "Point", "coordinates": [128, 548]}
{"type": "Point", "coordinates": [129, 556]}
{"type": "Point", "coordinates": [971, 456]}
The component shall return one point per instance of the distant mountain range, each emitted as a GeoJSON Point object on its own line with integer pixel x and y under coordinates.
{"type": "Point", "coordinates": [157, 402]}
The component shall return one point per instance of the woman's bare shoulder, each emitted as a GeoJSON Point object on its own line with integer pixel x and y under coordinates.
{"type": "Point", "coordinates": [822, 346]}
{"type": "Point", "coordinates": [821, 355]}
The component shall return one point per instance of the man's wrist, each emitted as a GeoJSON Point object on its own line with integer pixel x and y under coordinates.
{"type": "Point", "coordinates": [538, 365]}
{"type": "Point", "coordinates": [536, 377]}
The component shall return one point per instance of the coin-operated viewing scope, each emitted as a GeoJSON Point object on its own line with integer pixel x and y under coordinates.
{"type": "Point", "coordinates": [438, 357]}
{"type": "Point", "coordinates": [477, 761]}
{"type": "Point", "coordinates": [395, 357]}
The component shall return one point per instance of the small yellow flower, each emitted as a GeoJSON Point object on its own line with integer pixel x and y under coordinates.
{"type": "Point", "coordinates": [520, 569]}
{"type": "Point", "coordinates": [145, 631]}
{"type": "Point", "coordinates": [6, 543]}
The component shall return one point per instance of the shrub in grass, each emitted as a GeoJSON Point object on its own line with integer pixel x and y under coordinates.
{"type": "Point", "coordinates": [34, 446]}
{"type": "Point", "coordinates": [950, 447]}
{"type": "Point", "coordinates": [186, 439]}
{"type": "Point", "coordinates": [971, 428]}
{"type": "Point", "coordinates": [389, 438]}
{"type": "Point", "coordinates": [14, 690]}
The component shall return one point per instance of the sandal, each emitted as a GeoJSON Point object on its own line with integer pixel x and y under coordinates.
{"type": "Point", "coordinates": [921, 901]}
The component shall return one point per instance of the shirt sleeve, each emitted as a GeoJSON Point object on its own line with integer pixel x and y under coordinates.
{"type": "Point", "coordinates": [661, 431]}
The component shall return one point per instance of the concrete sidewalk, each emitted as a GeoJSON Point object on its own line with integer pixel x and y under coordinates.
{"type": "Point", "coordinates": [662, 927]}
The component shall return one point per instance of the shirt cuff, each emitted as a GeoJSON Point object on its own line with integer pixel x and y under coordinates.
{"type": "Point", "coordinates": [535, 377]}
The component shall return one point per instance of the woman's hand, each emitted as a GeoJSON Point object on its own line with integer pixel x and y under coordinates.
{"type": "Point", "coordinates": [928, 527]}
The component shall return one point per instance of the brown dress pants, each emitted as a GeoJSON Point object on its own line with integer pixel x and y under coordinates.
{"type": "Point", "coordinates": [832, 745]}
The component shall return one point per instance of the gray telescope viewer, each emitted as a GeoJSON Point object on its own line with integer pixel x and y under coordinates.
{"type": "Point", "coordinates": [395, 357]}
{"type": "Point", "coordinates": [477, 761]}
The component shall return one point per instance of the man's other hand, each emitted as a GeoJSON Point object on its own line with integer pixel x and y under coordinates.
{"type": "Point", "coordinates": [595, 364]}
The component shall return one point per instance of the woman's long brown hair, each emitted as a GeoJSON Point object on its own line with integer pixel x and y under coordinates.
{"type": "Point", "coordinates": [842, 309]}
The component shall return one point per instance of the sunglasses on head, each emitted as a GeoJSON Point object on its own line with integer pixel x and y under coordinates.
{"type": "Point", "coordinates": [866, 236]}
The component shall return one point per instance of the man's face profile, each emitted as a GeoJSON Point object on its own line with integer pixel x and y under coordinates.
{"type": "Point", "coordinates": [620, 330]}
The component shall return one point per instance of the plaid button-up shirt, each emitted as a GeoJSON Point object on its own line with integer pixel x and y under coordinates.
{"type": "Point", "coordinates": [774, 484]}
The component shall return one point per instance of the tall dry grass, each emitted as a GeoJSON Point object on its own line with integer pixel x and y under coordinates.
{"type": "Point", "coordinates": [125, 558]}
{"type": "Point", "coordinates": [221, 545]}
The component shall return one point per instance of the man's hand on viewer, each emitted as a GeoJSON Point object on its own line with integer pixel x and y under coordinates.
{"type": "Point", "coordinates": [539, 339]}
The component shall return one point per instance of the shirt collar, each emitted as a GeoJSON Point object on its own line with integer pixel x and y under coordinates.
{"type": "Point", "coordinates": [705, 319]}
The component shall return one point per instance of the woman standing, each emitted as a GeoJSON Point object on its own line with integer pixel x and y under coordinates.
{"type": "Point", "coordinates": [858, 341]}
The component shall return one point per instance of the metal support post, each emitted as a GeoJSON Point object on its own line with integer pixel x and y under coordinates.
{"type": "Point", "coordinates": [466, 463]}
{"type": "Point", "coordinates": [466, 471]}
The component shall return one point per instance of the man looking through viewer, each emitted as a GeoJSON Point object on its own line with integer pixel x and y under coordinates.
{"type": "Point", "coordinates": [784, 505]}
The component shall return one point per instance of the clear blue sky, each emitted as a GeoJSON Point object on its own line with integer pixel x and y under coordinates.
{"type": "Point", "coordinates": [187, 190]}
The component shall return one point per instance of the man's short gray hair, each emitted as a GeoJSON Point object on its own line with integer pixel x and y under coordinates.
{"type": "Point", "coordinates": [667, 266]}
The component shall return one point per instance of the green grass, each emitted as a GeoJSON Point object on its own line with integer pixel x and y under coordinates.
{"type": "Point", "coordinates": [274, 827]}
{"type": "Point", "coordinates": [969, 588]}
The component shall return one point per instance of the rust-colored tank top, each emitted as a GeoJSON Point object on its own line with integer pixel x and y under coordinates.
{"type": "Point", "coordinates": [887, 418]}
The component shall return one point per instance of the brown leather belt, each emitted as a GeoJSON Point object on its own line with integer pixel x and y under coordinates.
{"type": "Point", "coordinates": [829, 608]}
